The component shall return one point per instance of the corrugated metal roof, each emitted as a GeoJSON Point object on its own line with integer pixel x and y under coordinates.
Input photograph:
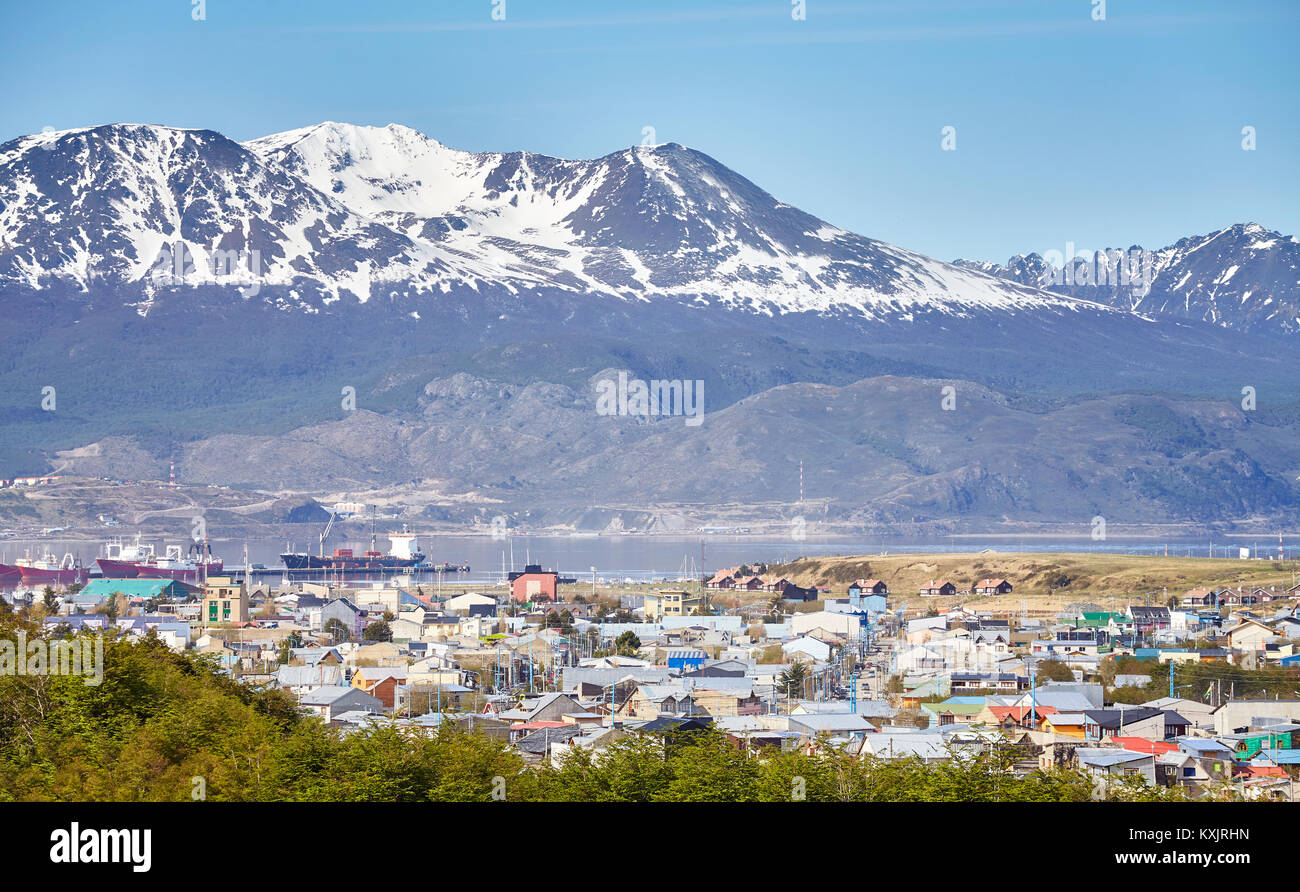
{"type": "Point", "coordinates": [138, 588]}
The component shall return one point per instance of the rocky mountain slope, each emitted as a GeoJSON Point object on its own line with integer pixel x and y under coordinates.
{"type": "Point", "coordinates": [1243, 277]}
{"type": "Point", "coordinates": [191, 298]}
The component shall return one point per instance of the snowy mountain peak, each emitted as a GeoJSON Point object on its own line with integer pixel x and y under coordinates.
{"type": "Point", "coordinates": [336, 209]}
{"type": "Point", "coordinates": [1243, 276]}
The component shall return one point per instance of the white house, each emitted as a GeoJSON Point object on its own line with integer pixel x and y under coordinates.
{"type": "Point", "coordinates": [811, 648]}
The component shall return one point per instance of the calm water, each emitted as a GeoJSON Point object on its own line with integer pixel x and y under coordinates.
{"type": "Point", "coordinates": [664, 557]}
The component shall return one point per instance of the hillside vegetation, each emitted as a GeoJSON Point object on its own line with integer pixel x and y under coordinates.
{"type": "Point", "coordinates": [1047, 581]}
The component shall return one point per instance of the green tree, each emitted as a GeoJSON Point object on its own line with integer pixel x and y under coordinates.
{"type": "Point", "coordinates": [1053, 670]}
{"type": "Point", "coordinates": [379, 630]}
{"type": "Point", "coordinates": [627, 644]}
{"type": "Point", "coordinates": [794, 680]}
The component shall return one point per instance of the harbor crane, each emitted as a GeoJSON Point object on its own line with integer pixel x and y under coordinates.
{"type": "Point", "coordinates": [320, 549]}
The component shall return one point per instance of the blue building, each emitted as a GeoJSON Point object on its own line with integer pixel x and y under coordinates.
{"type": "Point", "coordinates": [685, 660]}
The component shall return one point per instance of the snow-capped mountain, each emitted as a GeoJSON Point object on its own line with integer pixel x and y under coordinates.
{"type": "Point", "coordinates": [378, 264]}
{"type": "Point", "coordinates": [1244, 277]}
{"type": "Point", "coordinates": [337, 210]}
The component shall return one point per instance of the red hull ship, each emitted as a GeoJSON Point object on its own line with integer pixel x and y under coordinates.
{"type": "Point", "coordinates": [140, 562]}
{"type": "Point", "coordinates": [48, 570]}
{"type": "Point", "coordinates": [186, 571]}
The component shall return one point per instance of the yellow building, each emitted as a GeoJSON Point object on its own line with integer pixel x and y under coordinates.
{"type": "Point", "coordinates": [670, 603]}
{"type": "Point", "coordinates": [1065, 725]}
{"type": "Point", "coordinates": [224, 601]}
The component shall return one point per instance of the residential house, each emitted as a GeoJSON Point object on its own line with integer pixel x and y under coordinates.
{"type": "Point", "coordinates": [552, 707]}
{"type": "Point", "coordinates": [330, 701]}
{"type": "Point", "coordinates": [381, 683]}
{"type": "Point", "coordinates": [653, 701]}
{"type": "Point", "coordinates": [539, 743]}
{"type": "Point", "coordinates": [991, 587]}
{"type": "Point", "coordinates": [955, 710]}
{"type": "Point", "coordinates": [467, 602]}
{"type": "Point", "coordinates": [1248, 744]}
{"type": "Point", "coordinates": [352, 618]}
{"type": "Point", "coordinates": [1149, 619]}
{"type": "Point", "coordinates": [533, 584]}
{"type": "Point", "coordinates": [723, 579]}
{"type": "Point", "coordinates": [862, 587]}
{"type": "Point", "coordinates": [1287, 626]}
{"type": "Point", "coordinates": [1065, 724]}
{"type": "Point", "coordinates": [1240, 715]}
{"type": "Point", "coordinates": [845, 625]}
{"type": "Point", "coordinates": [1178, 768]}
{"type": "Point", "coordinates": [791, 592]}
{"type": "Point", "coordinates": [1250, 634]}
{"type": "Point", "coordinates": [1107, 764]}
{"type": "Point", "coordinates": [1137, 721]}
{"type": "Point", "coordinates": [986, 681]}
{"type": "Point", "coordinates": [1198, 712]}
{"type": "Point", "coordinates": [1201, 597]}
{"type": "Point", "coordinates": [834, 724]}
{"type": "Point", "coordinates": [297, 680]}
{"type": "Point", "coordinates": [1214, 760]}
{"type": "Point", "coordinates": [725, 701]}
{"type": "Point", "coordinates": [806, 649]}
{"type": "Point", "coordinates": [1065, 696]}
{"type": "Point", "coordinates": [941, 588]}
{"type": "Point", "coordinates": [664, 602]}
{"type": "Point", "coordinates": [899, 743]}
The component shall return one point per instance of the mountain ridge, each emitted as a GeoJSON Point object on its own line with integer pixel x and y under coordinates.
{"type": "Point", "coordinates": [394, 264]}
{"type": "Point", "coordinates": [365, 215]}
{"type": "Point", "coordinates": [1195, 278]}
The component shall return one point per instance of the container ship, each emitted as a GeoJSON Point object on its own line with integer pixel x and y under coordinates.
{"type": "Point", "coordinates": [140, 561]}
{"type": "Point", "coordinates": [405, 552]}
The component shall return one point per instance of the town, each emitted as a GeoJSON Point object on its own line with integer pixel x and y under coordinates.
{"type": "Point", "coordinates": [1196, 698]}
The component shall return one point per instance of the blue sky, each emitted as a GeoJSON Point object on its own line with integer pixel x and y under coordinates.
{"type": "Point", "coordinates": [1100, 133]}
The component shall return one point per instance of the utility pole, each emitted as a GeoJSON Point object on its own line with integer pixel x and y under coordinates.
{"type": "Point", "coordinates": [1033, 693]}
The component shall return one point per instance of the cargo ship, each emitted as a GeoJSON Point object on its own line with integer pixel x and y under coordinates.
{"type": "Point", "coordinates": [404, 552]}
{"type": "Point", "coordinates": [48, 570]}
{"type": "Point", "coordinates": [140, 561]}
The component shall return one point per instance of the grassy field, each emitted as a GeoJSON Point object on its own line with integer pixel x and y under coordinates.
{"type": "Point", "coordinates": [1048, 582]}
